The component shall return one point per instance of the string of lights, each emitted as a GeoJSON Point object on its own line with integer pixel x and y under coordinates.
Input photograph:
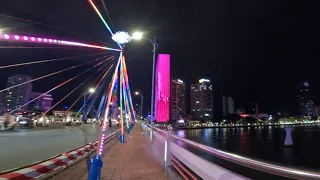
{"type": "Point", "coordinates": [54, 73]}
{"type": "Point", "coordinates": [52, 41]}
{"type": "Point", "coordinates": [51, 26]}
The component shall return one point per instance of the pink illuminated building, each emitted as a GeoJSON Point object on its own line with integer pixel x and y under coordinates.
{"type": "Point", "coordinates": [162, 88]}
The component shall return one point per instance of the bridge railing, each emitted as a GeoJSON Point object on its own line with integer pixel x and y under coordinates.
{"type": "Point", "coordinates": [190, 160]}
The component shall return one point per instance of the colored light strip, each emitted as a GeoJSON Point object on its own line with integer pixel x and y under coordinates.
{"type": "Point", "coordinates": [42, 40]}
{"type": "Point", "coordinates": [103, 127]}
{"type": "Point", "coordinates": [102, 19]}
{"type": "Point", "coordinates": [128, 90]}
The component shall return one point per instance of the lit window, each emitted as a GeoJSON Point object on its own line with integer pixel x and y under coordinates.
{"type": "Point", "coordinates": [197, 102]}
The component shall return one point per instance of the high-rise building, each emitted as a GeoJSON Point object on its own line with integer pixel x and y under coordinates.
{"type": "Point", "coordinates": [15, 97]}
{"type": "Point", "coordinates": [178, 99]}
{"type": "Point", "coordinates": [306, 104]}
{"type": "Point", "coordinates": [43, 103]}
{"type": "Point", "coordinates": [201, 100]}
{"type": "Point", "coordinates": [162, 89]}
{"type": "Point", "coordinates": [227, 105]}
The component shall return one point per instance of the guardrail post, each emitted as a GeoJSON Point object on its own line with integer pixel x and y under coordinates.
{"type": "Point", "coordinates": [95, 168]}
{"type": "Point", "coordinates": [165, 158]}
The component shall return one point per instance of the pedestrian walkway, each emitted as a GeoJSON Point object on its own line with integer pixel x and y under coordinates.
{"type": "Point", "coordinates": [132, 160]}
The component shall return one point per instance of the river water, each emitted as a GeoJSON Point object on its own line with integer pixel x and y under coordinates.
{"type": "Point", "coordinates": [264, 143]}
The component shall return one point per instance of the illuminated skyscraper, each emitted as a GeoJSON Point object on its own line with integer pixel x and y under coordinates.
{"type": "Point", "coordinates": [201, 100]}
{"type": "Point", "coordinates": [178, 99]}
{"type": "Point", "coordinates": [15, 97]}
{"type": "Point", "coordinates": [162, 88]}
{"type": "Point", "coordinates": [41, 104]}
{"type": "Point", "coordinates": [306, 104]}
{"type": "Point", "coordinates": [227, 105]}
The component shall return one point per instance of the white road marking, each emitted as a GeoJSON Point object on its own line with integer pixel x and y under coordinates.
{"type": "Point", "coordinates": [32, 132]}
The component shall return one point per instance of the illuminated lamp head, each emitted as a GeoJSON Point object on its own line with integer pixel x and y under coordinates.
{"type": "Point", "coordinates": [121, 37]}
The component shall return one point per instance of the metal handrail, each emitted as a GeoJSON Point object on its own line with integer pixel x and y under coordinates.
{"type": "Point", "coordinates": [247, 162]}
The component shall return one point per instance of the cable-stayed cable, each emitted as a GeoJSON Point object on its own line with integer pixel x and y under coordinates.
{"type": "Point", "coordinates": [63, 83]}
{"type": "Point", "coordinates": [105, 74]}
{"type": "Point", "coordinates": [48, 60]}
{"type": "Point", "coordinates": [102, 19]}
{"type": "Point", "coordinates": [54, 73]}
{"type": "Point", "coordinates": [71, 92]}
{"type": "Point", "coordinates": [89, 86]}
{"type": "Point", "coordinates": [105, 8]}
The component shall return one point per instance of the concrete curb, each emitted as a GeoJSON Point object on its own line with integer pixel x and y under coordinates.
{"type": "Point", "coordinates": [52, 166]}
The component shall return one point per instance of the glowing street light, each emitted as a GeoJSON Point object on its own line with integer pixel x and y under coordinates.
{"type": "Point", "coordinates": [141, 103]}
{"type": "Point", "coordinates": [91, 90]}
{"type": "Point", "coordinates": [137, 35]}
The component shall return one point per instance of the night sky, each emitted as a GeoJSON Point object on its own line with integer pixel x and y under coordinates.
{"type": "Point", "coordinates": [254, 51]}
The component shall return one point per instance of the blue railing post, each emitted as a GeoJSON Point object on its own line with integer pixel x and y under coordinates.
{"type": "Point", "coordinates": [121, 138]}
{"type": "Point", "coordinates": [95, 168]}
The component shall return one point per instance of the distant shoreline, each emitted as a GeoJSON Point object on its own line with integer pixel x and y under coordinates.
{"type": "Point", "coordinates": [288, 125]}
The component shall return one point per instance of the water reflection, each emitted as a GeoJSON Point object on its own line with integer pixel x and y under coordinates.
{"type": "Point", "coordinates": [263, 143]}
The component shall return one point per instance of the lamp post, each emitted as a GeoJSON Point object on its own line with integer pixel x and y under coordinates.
{"type": "Point", "coordinates": [141, 103]}
{"type": "Point", "coordinates": [91, 90]}
{"type": "Point", "coordinates": [138, 36]}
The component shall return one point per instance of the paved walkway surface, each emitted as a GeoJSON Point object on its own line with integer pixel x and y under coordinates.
{"type": "Point", "coordinates": [132, 160]}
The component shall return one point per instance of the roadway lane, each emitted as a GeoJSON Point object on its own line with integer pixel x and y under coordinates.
{"type": "Point", "coordinates": [24, 146]}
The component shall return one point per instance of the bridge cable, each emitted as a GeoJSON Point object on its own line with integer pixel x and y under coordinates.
{"type": "Point", "coordinates": [96, 79]}
{"type": "Point", "coordinates": [59, 85]}
{"type": "Point", "coordinates": [54, 73]}
{"type": "Point", "coordinates": [71, 92]}
{"type": "Point", "coordinates": [48, 60]}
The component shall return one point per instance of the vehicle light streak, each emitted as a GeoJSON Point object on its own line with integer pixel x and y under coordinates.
{"type": "Point", "coordinates": [41, 40]}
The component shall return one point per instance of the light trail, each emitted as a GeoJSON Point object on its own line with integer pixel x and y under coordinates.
{"type": "Point", "coordinates": [63, 83]}
{"type": "Point", "coordinates": [53, 41]}
{"type": "Point", "coordinates": [102, 19]}
{"type": "Point", "coordinates": [72, 92]}
{"type": "Point", "coordinates": [51, 74]}
{"type": "Point", "coordinates": [47, 60]}
{"type": "Point", "coordinates": [54, 27]}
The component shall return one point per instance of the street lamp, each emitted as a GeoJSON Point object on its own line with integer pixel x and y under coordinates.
{"type": "Point", "coordinates": [138, 36]}
{"type": "Point", "coordinates": [91, 90]}
{"type": "Point", "coordinates": [141, 103]}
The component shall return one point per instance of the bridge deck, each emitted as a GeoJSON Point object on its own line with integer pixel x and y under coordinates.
{"type": "Point", "coordinates": [132, 160]}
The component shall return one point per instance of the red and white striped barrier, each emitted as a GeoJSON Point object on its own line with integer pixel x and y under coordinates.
{"type": "Point", "coordinates": [54, 165]}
